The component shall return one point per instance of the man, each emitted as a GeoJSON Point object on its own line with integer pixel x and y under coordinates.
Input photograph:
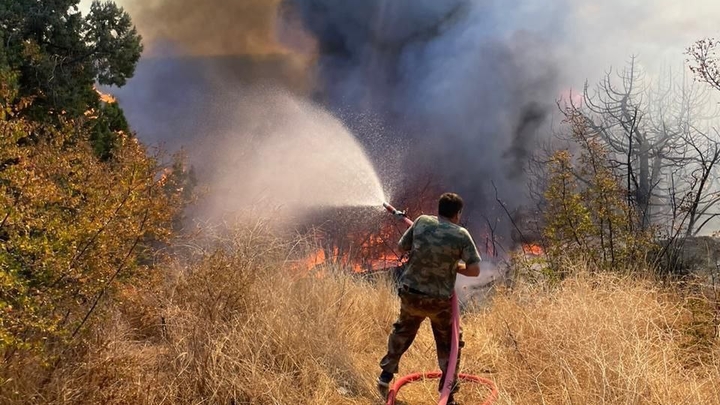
{"type": "Point", "coordinates": [436, 246]}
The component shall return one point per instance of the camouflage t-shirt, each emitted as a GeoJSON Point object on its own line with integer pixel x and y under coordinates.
{"type": "Point", "coordinates": [436, 246]}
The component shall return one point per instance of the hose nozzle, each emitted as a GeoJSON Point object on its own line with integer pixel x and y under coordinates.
{"type": "Point", "coordinates": [400, 214]}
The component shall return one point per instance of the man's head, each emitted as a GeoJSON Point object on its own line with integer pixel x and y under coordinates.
{"type": "Point", "coordinates": [450, 207]}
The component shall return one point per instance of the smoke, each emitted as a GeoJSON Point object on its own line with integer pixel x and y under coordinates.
{"type": "Point", "coordinates": [215, 27]}
{"type": "Point", "coordinates": [201, 59]}
{"type": "Point", "coordinates": [467, 96]}
{"type": "Point", "coordinates": [471, 86]}
{"type": "Point", "coordinates": [462, 89]}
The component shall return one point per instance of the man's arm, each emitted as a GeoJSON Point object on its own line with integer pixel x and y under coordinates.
{"type": "Point", "coordinates": [405, 244]}
{"type": "Point", "coordinates": [471, 257]}
{"type": "Point", "coordinates": [472, 270]}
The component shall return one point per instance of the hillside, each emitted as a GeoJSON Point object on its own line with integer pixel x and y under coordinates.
{"type": "Point", "coordinates": [236, 327]}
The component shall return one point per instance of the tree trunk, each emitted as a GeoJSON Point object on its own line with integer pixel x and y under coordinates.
{"type": "Point", "coordinates": [643, 191]}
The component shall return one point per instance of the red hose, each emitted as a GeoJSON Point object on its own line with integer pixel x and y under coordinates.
{"type": "Point", "coordinates": [454, 344]}
{"type": "Point", "coordinates": [447, 387]}
{"type": "Point", "coordinates": [433, 375]}
{"type": "Point", "coordinates": [399, 214]}
{"type": "Point", "coordinates": [452, 363]}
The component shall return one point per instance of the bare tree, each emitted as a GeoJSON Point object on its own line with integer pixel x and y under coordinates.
{"type": "Point", "coordinates": [651, 130]}
{"type": "Point", "coordinates": [702, 197]}
{"type": "Point", "coordinates": [705, 185]}
{"type": "Point", "coordinates": [705, 56]}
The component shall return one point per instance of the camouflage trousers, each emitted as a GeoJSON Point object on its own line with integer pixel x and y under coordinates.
{"type": "Point", "coordinates": [414, 308]}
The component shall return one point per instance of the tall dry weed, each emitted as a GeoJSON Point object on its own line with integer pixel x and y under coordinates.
{"type": "Point", "coordinates": [240, 325]}
{"type": "Point", "coordinates": [596, 339]}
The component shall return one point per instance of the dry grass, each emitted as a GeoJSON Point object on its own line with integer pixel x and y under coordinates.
{"type": "Point", "coordinates": [239, 328]}
{"type": "Point", "coordinates": [598, 340]}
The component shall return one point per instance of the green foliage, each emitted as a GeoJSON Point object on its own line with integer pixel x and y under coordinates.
{"type": "Point", "coordinates": [58, 54]}
{"type": "Point", "coordinates": [107, 129]}
{"type": "Point", "coordinates": [72, 227]}
{"type": "Point", "coordinates": [588, 216]}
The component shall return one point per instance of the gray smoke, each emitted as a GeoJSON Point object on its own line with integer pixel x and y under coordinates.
{"type": "Point", "coordinates": [459, 89]}
{"type": "Point", "coordinates": [201, 59]}
{"type": "Point", "coordinates": [465, 93]}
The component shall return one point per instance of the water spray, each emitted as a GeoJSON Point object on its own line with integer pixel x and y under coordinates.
{"type": "Point", "coordinates": [454, 350]}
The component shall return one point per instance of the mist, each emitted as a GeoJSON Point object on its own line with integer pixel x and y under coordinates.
{"type": "Point", "coordinates": [287, 153]}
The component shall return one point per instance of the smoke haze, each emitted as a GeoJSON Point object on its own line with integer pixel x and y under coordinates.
{"type": "Point", "coordinates": [461, 88]}
{"type": "Point", "coordinates": [217, 27]}
{"type": "Point", "coordinates": [466, 96]}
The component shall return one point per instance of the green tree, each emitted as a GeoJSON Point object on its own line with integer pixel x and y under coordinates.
{"type": "Point", "coordinates": [58, 55]}
{"type": "Point", "coordinates": [588, 216]}
{"type": "Point", "coordinates": [73, 228]}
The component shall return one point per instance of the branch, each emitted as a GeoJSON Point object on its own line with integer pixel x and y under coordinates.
{"type": "Point", "coordinates": [507, 212]}
{"type": "Point", "coordinates": [113, 277]}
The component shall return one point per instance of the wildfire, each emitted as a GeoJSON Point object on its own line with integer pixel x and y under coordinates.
{"type": "Point", "coordinates": [359, 250]}
{"type": "Point", "coordinates": [313, 260]}
{"type": "Point", "coordinates": [320, 258]}
{"type": "Point", "coordinates": [533, 249]}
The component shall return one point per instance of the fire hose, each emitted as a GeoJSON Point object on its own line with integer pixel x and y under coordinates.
{"type": "Point", "coordinates": [454, 351]}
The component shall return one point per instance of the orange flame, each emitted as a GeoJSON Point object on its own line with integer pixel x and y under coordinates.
{"type": "Point", "coordinates": [533, 249]}
{"type": "Point", "coordinates": [320, 257]}
{"type": "Point", "coordinates": [313, 260]}
{"type": "Point", "coordinates": [105, 97]}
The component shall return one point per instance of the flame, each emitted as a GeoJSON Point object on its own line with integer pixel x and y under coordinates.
{"type": "Point", "coordinates": [533, 249]}
{"type": "Point", "coordinates": [318, 258]}
{"type": "Point", "coordinates": [106, 98]}
{"type": "Point", "coordinates": [313, 260]}
{"type": "Point", "coordinates": [358, 252]}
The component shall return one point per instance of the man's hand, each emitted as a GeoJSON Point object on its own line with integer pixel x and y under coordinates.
{"type": "Point", "coordinates": [472, 270]}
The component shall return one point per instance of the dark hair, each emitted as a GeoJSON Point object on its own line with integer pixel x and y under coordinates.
{"type": "Point", "coordinates": [449, 205]}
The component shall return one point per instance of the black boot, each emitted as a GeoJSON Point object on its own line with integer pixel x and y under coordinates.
{"type": "Point", "coordinates": [383, 383]}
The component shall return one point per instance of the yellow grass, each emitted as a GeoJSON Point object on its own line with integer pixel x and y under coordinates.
{"type": "Point", "coordinates": [240, 328]}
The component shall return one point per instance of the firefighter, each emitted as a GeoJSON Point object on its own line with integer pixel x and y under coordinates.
{"type": "Point", "coordinates": [439, 249]}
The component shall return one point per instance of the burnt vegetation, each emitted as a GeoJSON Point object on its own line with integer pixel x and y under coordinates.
{"type": "Point", "coordinates": [631, 177]}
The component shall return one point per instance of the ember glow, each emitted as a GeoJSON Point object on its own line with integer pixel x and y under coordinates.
{"type": "Point", "coordinates": [313, 260]}
{"type": "Point", "coordinates": [533, 249]}
{"type": "Point", "coordinates": [355, 251]}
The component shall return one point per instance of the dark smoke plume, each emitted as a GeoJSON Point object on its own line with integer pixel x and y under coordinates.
{"type": "Point", "coordinates": [456, 83]}
{"type": "Point", "coordinates": [467, 93]}
{"type": "Point", "coordinates": [455, 89]}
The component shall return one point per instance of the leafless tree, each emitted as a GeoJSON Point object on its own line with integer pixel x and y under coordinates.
{"type": "Point", "coordinates": [700, 174]}
{"type": "Point", "coordinates": [654, 131]}
{"type": "Point", "coordinates": [705, 61]}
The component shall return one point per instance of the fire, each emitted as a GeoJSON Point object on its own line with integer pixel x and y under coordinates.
{"type": "Point", "coordinates": [533, 249]}
{"type": "Point", "coordinates": [359, 250]}
{"type": "Point", "coordinates": [106, 98]}
{"type": "Point", "coordinates": [314, 259]}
